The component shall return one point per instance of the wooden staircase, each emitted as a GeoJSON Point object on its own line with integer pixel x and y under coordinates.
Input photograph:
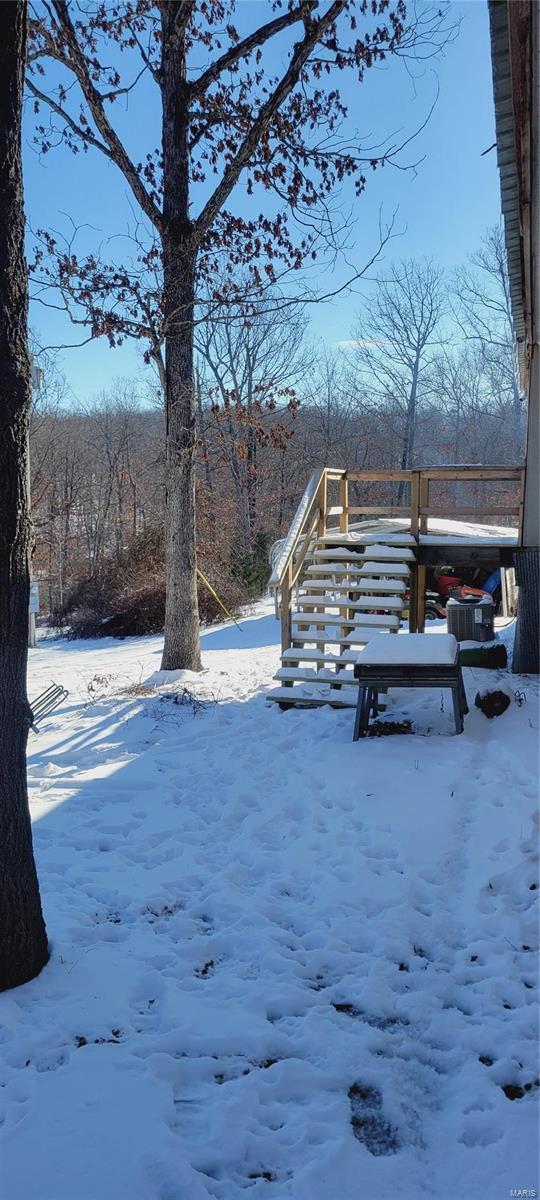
{"type": "Point", "coordinates": [349, 589]}
{"type": "Point", "coordinates": [337, 583]}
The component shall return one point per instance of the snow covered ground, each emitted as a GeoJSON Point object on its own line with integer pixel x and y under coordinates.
{"type": "Point", "coordinates": [283, 964]}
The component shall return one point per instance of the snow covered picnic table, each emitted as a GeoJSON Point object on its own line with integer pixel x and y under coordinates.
{"type": "Point", "coordinates": [415, 660]}
{"type": "Point", "coordinates": [412, 649]}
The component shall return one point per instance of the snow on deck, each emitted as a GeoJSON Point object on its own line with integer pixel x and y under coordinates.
{"type": "Point", "coordinates": [440, 532]}
{"type": "Point", "coordinates": [261, 930]}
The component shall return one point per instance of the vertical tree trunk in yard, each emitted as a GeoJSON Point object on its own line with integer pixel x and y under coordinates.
{"type": "Point", "coordinates": [181, 647]}
{"type": "Point", "coordinates": [23, 941]}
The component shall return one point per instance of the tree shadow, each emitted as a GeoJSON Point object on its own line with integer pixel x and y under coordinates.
{"type": "Point", "coordinates": [252, 632]}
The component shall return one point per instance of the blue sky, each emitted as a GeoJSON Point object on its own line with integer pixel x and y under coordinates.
{"type": "Point", "coordinates": [443, 207]}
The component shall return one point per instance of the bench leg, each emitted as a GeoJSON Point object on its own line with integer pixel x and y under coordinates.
{"type": "Point", "coordinates": [356, 731]}
{"type": "Point", "coordinates": [458, 711]}
{"type": "Point", "coordinates": [464, 705]}
{"type": "Point", "coordinates": [363, 706]}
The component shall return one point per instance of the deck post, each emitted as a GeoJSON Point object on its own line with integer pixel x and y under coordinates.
{"type": "Point", "coordinates": [415, 503]}
{"type": "Point", "coordinates": [344, 502]}
{"type": "Point", "coordinates": [344, 522]}
{"type": "Point", "coordinates": [286, 611]}
{"type": "Point", "coordinates": [417, 603]}
{"type": "Point", "coordinates": [420, 616]}
{"type": "Point", "coordinates": [424, 502]}
{"type": "Point", "coordinates": [420, 573]}
{"type": "Point", "coordinates": [322, 497]}
{"type": "Point", "coordinates": [521, 518]}
{"type": "Point", "coordinates": [413, 587]}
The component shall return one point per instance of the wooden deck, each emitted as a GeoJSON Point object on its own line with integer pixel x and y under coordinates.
{"type": "Point", "coordinates": [456, 541]}
{"type": "Point", "coordinates": [339, 574]}
{"type": "Point", "coordinates": [468, 522]}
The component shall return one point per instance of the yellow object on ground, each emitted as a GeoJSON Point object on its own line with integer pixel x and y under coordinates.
{"type": "Point", "coordinates": [216, 597]}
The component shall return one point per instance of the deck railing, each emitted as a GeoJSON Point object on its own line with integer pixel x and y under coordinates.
{"type": "Point", "coordinates": [317, 515]}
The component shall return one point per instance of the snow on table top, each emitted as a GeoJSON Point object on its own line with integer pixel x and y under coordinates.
{"type": "Point", "coordinates": [411, 649]}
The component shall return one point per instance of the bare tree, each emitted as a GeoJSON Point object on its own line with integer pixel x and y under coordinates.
{"type": "Point", "coordinates": [330, 410]}
{"type": "Point", "coordinates": [471, 420]}
{"type": "Point", "coordinates": [227, 116]}
{"type": "Point", "coordinates": [57, 452]}
{"type": "Point", "coordinates": [23, 945]}
{"type": "Point", "coordinates": [483, 310]}
{"type": "Point", "coordinates": [97, 483]}
{"type": "Point", "coordinates": [254, 363]}
{"type": "Point", "coordinates": [478, 416]}
{"type": "Point", "coordinates": [394, 340]}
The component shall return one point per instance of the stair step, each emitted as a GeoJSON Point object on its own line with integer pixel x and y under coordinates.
{"type": "Point", "coordinates": [307, 675]}
{"type": "Point", "coordinates": [360, 537]}
{"type": "Point", "coordinates": [325, 600]}
{"type": "Point", "coordinates": [389, 570]}
{"type": "Point", "coordinates": [378, 552]}
{"type": "Point", "coordinates": [364, 619]}
{"type": "Point", "coordinates": [363, 585]}
{"type": "Point", "coordinates": [293, 657]}
{"type": "Point", "coordinates": [351, 639]}
{"type": "Point", "coordinates": [300, 654]}
{"type": "Point", "coordinates": [356, 639]}
{"type": "Point", "coordinates": [298, 696]}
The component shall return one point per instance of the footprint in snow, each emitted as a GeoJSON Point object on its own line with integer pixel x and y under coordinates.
{"type": "Point", "coordinates": [369, 1125]}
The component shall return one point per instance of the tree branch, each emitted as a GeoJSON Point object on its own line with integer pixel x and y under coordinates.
{"type": "Point", "coordinates": [85, 135]}
{"type": "Point", "coordinates": [78, 65]}
{"type": "Point", "coordinates": [313, 33]}
{"type": "Point", "coordinates": [154, 70]}
{"type": "Point", "coordinates": [258, 38]}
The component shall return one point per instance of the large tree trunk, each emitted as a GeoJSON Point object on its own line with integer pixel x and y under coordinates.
{"type": "Point", "coordinates": [182, 646]}
{"type": "Point", "coordinates": [23, 942]}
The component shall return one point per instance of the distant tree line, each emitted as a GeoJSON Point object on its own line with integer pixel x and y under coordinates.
{"type": "Point", "coordinates": [426, 377]}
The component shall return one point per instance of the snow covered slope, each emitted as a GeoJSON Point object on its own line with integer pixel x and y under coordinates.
{"type": "Point", "coordinates": [283, 964]}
